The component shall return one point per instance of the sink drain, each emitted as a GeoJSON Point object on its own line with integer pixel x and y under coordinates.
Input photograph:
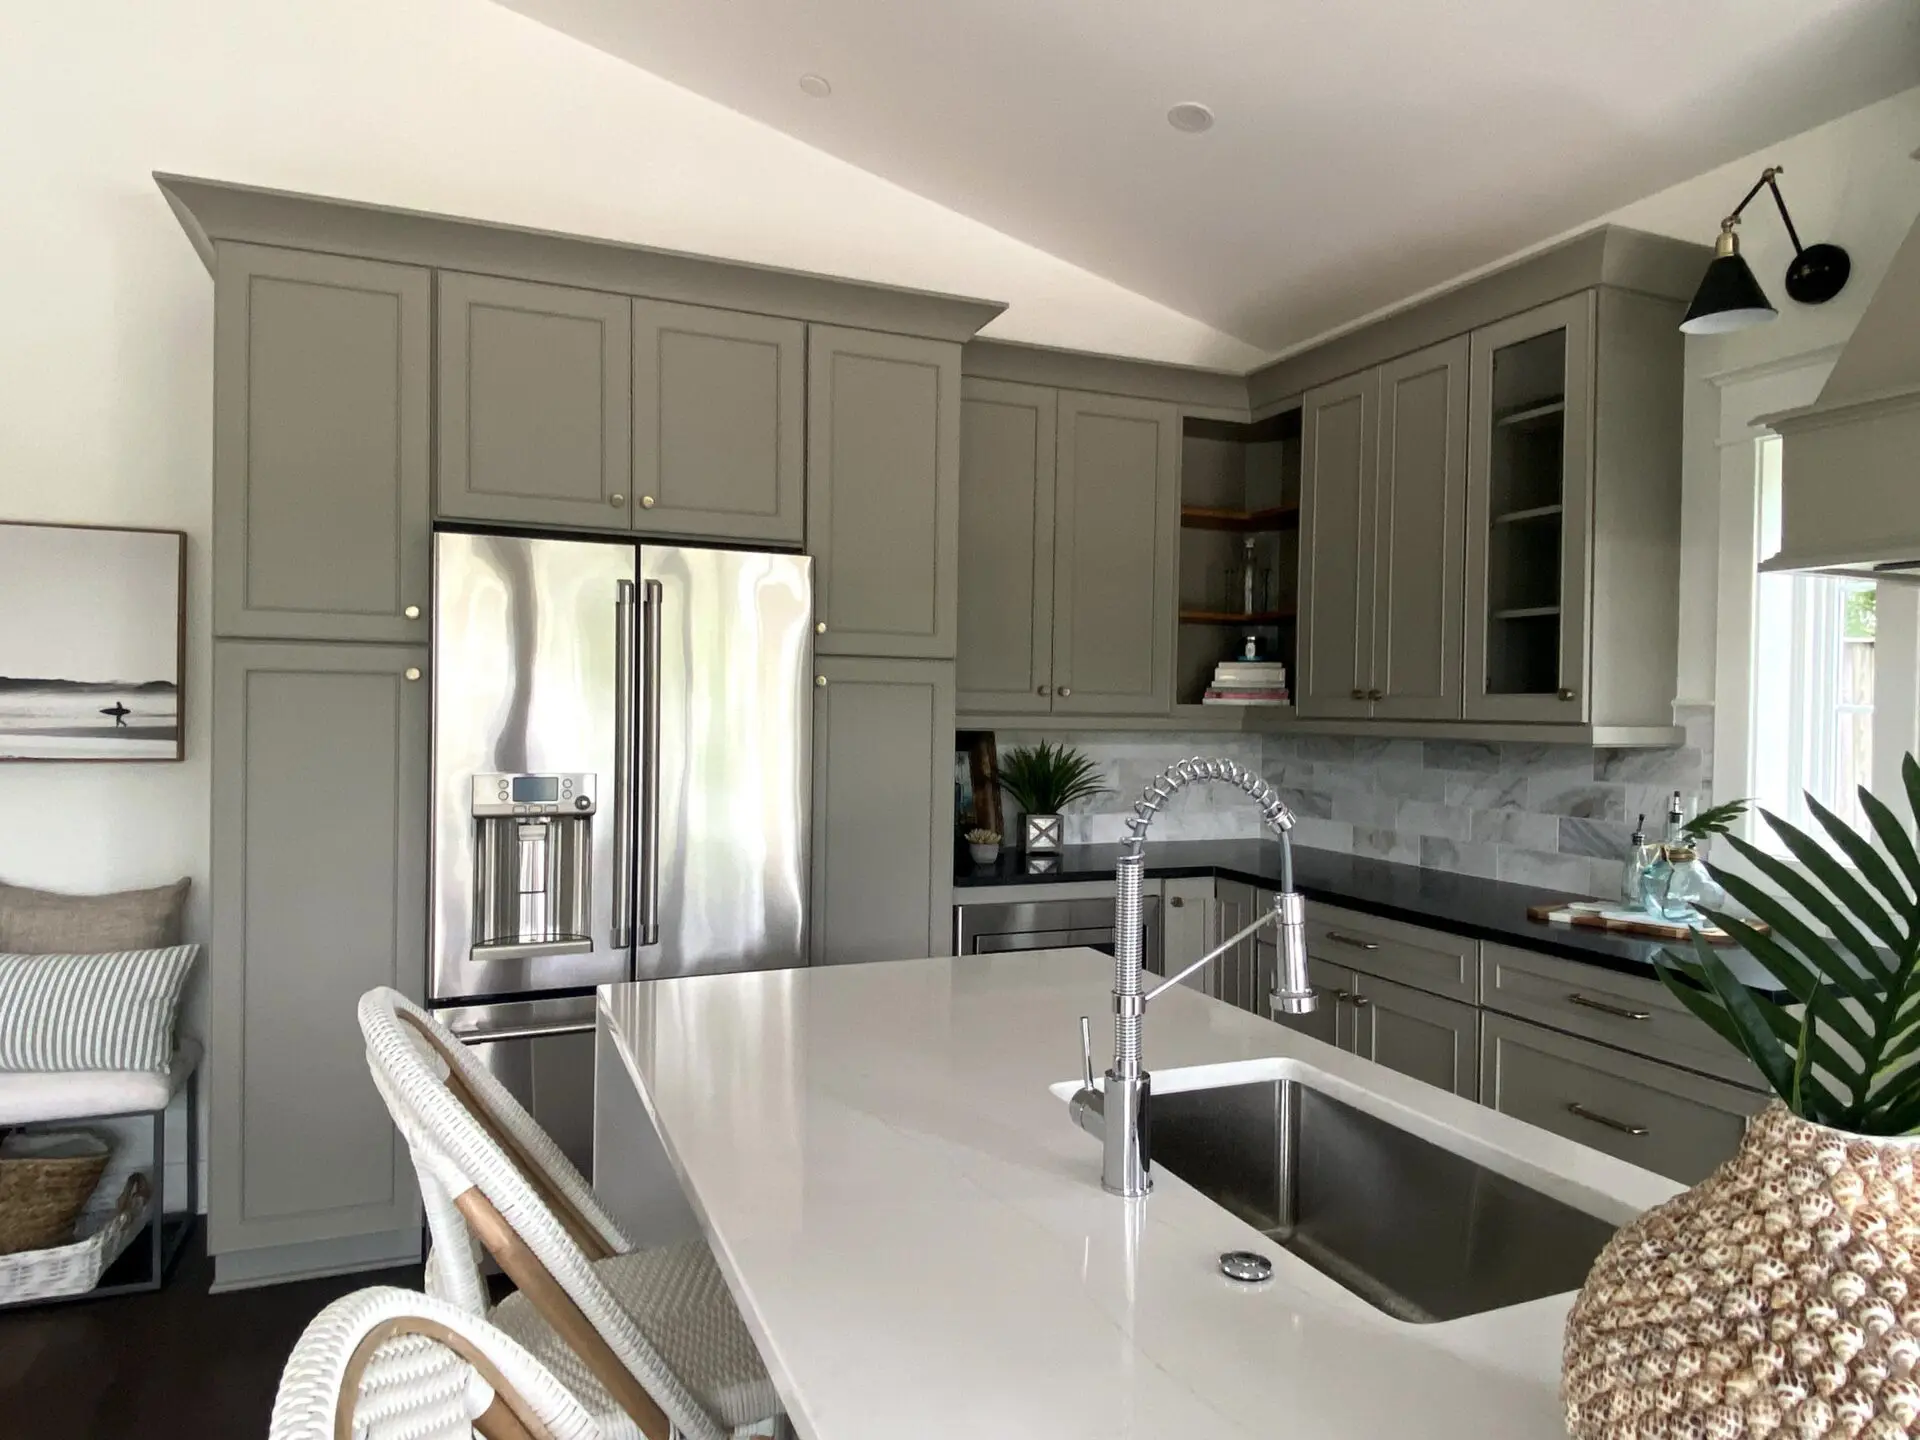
{"type": "Point", "coordinates": [1246, 1265]}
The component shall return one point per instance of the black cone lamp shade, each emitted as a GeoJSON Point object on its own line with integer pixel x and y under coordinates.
{"type": "Point", "coordinates": [1729, 298]}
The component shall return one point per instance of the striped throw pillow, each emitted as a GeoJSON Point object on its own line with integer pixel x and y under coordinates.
{"type": "Point", "coordinates": [92, 1012]}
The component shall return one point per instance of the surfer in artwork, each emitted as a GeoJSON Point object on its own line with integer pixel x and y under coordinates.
{"type": "Point", "coordinates": [119, 713]}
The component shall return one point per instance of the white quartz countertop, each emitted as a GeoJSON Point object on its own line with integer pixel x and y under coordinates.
{"type": "Point", "coordinates": [916, 1234]}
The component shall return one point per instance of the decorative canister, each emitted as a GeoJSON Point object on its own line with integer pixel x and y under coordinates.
{"type": "Point", "coordinates": [1042, 834]}
{"type": "Point", "coordinates": [1776, 1298]}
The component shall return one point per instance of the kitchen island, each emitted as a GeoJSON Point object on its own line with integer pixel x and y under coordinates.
{"type": "Point", "coordinates": [883, 1162]}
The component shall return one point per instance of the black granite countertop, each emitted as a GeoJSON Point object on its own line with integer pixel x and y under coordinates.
{"type": "Point", "coordinates": [1464, 904]}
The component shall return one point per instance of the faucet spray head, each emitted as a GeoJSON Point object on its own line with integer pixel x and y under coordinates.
{"type": "Point", "coordinates": [1292, 994]}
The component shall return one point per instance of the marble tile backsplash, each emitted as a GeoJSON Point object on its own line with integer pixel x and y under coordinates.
{"type": "Point", "coordinates": [1557, 816]}
{"type": "Point", "coordinates": [1129, 761]}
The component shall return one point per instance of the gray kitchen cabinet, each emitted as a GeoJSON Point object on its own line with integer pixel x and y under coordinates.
{"type": "Point", "coordinates": [1116, 555]}
{"type": "Point", "coordinates": [1663, 1118]}
{"type": "Point", "coordinates": [1529, 511]}
{"type": "Point", "coordinates": [319, 893]}
{"type": "Point", "coordinates": [1419, 518]}
{"type": "Point", "coordinates": [882, 863]}
{"type": "Point", "coordinates": [1382, 517]}
{"type": "Point", "coordinates": [535, 403]}
{"type": "Point", "coordinates": [1425, 1036]}
{"type": "Point", "coordinates": [1004, 658]}
{"type": "Point", "coordinates": [883, 482]}
{"type": "Point", "coordinates": [719, 424]}
{"type": "Point", "coordinates": [322, 430]}
{"type": "Point", "coordinates": [1339, 440]}
{"type": "Point", "coordinates": [1187, 928]}
{"type": "Point", "coordinates": [1435, 961]}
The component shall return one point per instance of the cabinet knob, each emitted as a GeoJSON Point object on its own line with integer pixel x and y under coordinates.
{"type": "Point", "coordinates": [412, 612]}
{"type": "Point", "coordinates": [1066, 692]}
{"type": "Point", "coordinates": [820, 681]}
{"type": "Point", "coordinates": [1376, 694]}
{"type": "Point", "coordinates": [1359, 1002]}
{"type": "Point", "coordinates": [819, 627]}
{"type": "Point", "coordinates": [1043, 689]}
{"type": "Point", "coordinates": [617, 500]}
{"type": "Point", "coordinates": [646, 502]}
{"type": "Point", "coordinates": [1569, 694]}
{"type": "Point", "coordinates": [1177, 902]}
{"type": "Point", "coordinates": [1359, 694]}
{"type": "Point", "coordinates": [412, 672]}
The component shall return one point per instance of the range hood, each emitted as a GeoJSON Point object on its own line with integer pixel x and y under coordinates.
{"type": "Point", "coordinates": [1850, 462]}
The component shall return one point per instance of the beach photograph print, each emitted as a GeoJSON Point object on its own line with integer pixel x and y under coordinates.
{"type": "Point", "coordinates": [90, 643]}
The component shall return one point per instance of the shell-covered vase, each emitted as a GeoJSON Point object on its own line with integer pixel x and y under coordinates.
{"type": "Point", "coordinates": [1776, 1298]}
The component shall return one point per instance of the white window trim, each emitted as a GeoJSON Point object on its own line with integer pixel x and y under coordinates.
{"type": "Point", "coordinates": [1745, 395]}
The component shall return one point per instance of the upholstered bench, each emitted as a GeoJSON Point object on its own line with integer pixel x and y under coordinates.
{"type": "Point", "coordinates": [82, 1096]}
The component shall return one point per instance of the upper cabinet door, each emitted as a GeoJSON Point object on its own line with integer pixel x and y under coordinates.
{"type": "Point", "coordinates": [1529, 515]}
{"type": "Point", "coordinates": [322, 429]}
{"type": "Point", "coordinates": [1420, 522]}
{"type": "Point", "coordinates": [1005, 659]}
{"type": "Point", "coordinates": [536, 403]}
{"type": "Point", "coordinates": [1116, 554]}
{"type": "Point", "coordinates": [883, 483]}
{"type": "Point", "coordinates": [719, 424]}
{"type": "Point", "coordinates": [1338, 455]}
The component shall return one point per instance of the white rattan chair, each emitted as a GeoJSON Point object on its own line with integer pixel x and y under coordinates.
{"type": "Point", "coordinates": [386, 1364]}
{"type": "Point", "coordinates": [648, 1339]}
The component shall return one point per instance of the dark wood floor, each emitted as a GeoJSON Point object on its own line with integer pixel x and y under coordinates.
{"type": "Point", "coordinates": [176, 1365]}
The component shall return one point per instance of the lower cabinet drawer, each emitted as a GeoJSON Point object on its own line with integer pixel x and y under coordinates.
{"type": "Point", "coordinates": [1659, 1117]}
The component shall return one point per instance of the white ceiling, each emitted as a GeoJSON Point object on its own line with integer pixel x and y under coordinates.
{"type": "Point", "coordinates": [1365, 150]}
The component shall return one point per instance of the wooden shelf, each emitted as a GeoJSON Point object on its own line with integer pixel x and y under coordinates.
{"type": "Point", "coordinates": [1527, 612]}
{"type": "Point", "coordinates": [1231, 617]}
{"type": "Point", "coordinates": [1532, 412]}
{"type": "Point", "coordinates": [1207, 517]}
{"type": "Point", "coordinates": [1537, 512]}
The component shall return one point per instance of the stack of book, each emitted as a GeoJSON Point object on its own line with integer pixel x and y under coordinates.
{"type": "Point", "coordinates": [1248, 682]}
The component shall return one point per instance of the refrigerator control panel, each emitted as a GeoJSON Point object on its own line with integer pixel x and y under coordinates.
{"type": "Point", "coordinates": [553, 794]}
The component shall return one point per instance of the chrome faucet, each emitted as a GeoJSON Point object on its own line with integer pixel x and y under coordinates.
{"type": "Point", "coordinates": [1122, 1109]}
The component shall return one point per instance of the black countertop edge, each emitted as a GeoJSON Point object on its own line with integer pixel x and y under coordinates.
{"type": "Point", "coordinates": [1468, 905]}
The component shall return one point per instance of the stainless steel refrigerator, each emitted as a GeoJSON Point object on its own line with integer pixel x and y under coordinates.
{"type": "Point", "coordinates": [620, 780]}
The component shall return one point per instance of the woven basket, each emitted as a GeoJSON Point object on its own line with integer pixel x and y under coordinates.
{"type": "Point", "coordinates": [75, 1269]}
{"type": "Point", "coordinates": [45, 1180]}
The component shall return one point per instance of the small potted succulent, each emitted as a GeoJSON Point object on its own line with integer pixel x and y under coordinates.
{"type": "Point", "coordinates": [1044, 779]}
{"type": "Point", "coordinates": [1781, 1295]}
{"type": "Point", "coordinates": [983, 846]}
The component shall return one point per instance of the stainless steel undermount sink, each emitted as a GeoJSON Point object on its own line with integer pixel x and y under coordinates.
{"type": "Point", "coordinates": [1415, 1230]}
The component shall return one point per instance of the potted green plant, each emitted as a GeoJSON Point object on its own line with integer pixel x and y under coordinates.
{"type": "Point", "coordinates": [1044, 779]}
{"type": "Point", "coordinates": [1782, 1293]}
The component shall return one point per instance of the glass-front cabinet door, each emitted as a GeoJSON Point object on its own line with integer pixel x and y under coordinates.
{"type": "Point", "coordinates": [1529, 511]}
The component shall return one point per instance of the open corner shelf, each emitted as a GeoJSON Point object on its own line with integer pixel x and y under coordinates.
{"type": "Point", "coordinates": [1234, 617]}
{"type": "Point", "coordinates": [1527, 612]}
{"type": "Point", "coordinates": [1209, 517]}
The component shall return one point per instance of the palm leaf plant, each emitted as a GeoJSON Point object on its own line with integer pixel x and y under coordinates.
{"type": "Point", "coordinates": [1842, 1054]}
{"type": "Point", "coordinates": [1044, 779]}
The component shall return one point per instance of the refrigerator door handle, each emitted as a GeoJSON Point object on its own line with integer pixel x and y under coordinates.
{"type": "Point", "coordinates": [621, 937]}
{"type": "Point", "coordinates": [649, 919]}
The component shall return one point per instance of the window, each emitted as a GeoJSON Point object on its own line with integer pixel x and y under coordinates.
{"type": "Point", "coordinates": [1813, 677]}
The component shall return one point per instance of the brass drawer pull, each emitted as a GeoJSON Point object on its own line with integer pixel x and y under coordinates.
{"type": "Point", "coordinates": [1360, 1002]}
{"type": "Point", "coordinates": [1576, 1108]}
{"type": "Point", "coordinates": [1605, 1009]}
{"type": "Point", "coordinates": [1358, 944]}
{"type": "Point", "coordinates": [1337, 996]}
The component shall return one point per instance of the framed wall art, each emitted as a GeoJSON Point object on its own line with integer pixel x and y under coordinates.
{"type": "Point", "coordinates": [92, 642]}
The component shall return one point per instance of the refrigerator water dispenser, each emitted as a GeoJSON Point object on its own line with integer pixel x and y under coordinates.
{"type": "Point", "coordinates": [532, 865]}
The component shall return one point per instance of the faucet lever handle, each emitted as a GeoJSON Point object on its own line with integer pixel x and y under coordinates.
{"type": "Point", "coordinates": [1086, 1053]}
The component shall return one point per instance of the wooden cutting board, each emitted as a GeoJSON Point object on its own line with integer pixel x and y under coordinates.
{"type": "Point", "coordinates": [1600, 915]}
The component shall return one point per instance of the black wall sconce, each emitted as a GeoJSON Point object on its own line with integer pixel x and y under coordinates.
{"type": "Point", "coordinates": [1729, 298]}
